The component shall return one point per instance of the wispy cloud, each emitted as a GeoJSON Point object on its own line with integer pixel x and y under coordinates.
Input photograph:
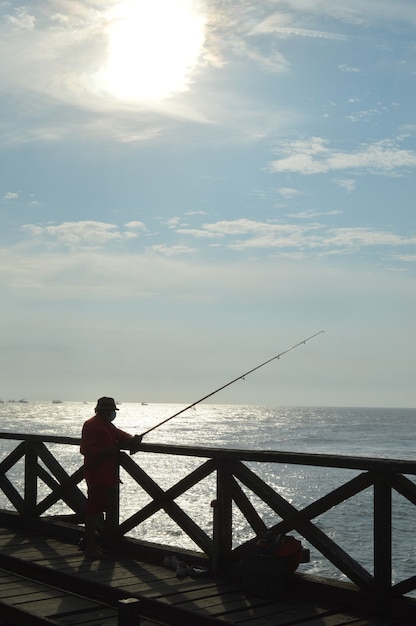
{"type": "Point", "coordinates": [366, 115]}
{"type": "Point", "coordinates": [171, 251]}
{"type": "Point", "coordinates": [279, 24]}
{"type": "Point", "coordinates": [355, 12]}
{"type": "Point", "coordinates": [10, 195]}
{"type": "Point", "coordinates": [364, 237]}
{"type": "Point", "coordinates": [304, 233]}
{"type": "Point", "coordinates": [309, 237]}
{"type": "Point", "coordinates": [84, 234]}
{"type": "Point", "coordinates": [314, 156]}
{"type": "Point", "coordinates": [288, 192]}
{"type": "Point", "coordinates": [70, 270]}
{"type": "Point", "coordinates": [310, 214]}
{"type": "Point", "coordinates": [349, 69]}
{"type": "Point", "coordinates": [21, 19]}
{"type": "Point", "coordinates": [58, 54]}
{"type": "Point", "coordinates": [135, 225]}
{"type": "Point", "coordinates": [349, 184]}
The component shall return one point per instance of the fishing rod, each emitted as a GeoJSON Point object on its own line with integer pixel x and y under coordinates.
{"type": "Point", "coordinates": [190, 406]}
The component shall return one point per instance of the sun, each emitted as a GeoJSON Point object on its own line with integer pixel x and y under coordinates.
{"type": "Point", "coordinates": [152, 47]}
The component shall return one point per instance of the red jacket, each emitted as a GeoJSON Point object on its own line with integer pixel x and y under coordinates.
{"type": "Point", "coordinates": [97, 434]}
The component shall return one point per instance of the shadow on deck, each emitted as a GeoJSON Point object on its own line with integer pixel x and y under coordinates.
{"type": "Point", "coordinates": [45, 579]}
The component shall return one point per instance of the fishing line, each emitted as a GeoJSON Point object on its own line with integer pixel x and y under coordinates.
{"type": "Point", "coordinates": [241, 377]}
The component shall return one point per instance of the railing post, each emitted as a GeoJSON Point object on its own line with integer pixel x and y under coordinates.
{"type": "Point", "coordinates": [112, 519]}
{"type": "Point", "coordinates": [129, 612]}
{"type": "Point", "coordinates": [31, 480]}
{"type": "Point", "coordinates": [223, 519]}
{"type": "Point", "coordinates": [382, 533]}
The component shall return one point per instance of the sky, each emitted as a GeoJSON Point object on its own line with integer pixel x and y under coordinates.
{"type": "Point", "coordinates": [191, 187]}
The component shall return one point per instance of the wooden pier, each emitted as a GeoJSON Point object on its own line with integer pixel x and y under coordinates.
{"type": "Point", "coordinates": [45, 578]}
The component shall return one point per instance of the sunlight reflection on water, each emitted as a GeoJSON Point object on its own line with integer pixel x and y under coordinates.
{"type": "Point", "coordinates": [366, 432]}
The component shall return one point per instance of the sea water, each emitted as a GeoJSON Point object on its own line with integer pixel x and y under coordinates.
{"type": "Point", "coordinates": [372, 432]}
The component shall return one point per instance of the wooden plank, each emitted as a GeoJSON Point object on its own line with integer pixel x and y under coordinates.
{"type": "Point", "coordinates": [90, 615]}
{"type": "Point", "coordinates": [13, 615]}
{"type": "Point", "coordinates": [382, 533]}
{"type": "Point", "coordinates": [17, 537]}
{"type": "Point", "coordinates": [196, 597]}
{"type": "Point", "coordinates": [11, 493]}
{"type": "Point", "coordinates": [247, 508]}
{"type": "Point", "coordinates": [15, 590]}
{"type": "Point", "coordinates": [209, 597]}
{"type": "Point", "coordinates": [262, 456]}
{"type": "Point", "coordinates": [233, 606]}
{"type": "Point", "coordinates": [31, 482]}
{"type": "Point", "coordinates": [223, 513]}
{"type": "Point", "coordinates": [173, 585]}
{"type": "Point", "coordinates": [73, 497]}
{"type": "Point", "coordinates": [29, 547]}
{"type": "Point", "coordinates": [295, 614]}
{"type": "Point", "coordinates": [30, 599]}
{"type": "Point", "coordinates": [12, 458]}
{"type": "Point", "coordinates": [173, 493]}
{"type": "Point", "coordinates": [229, 598]}
{"type": "Point", "coordinates": [167, 503]}
{"type": "Point", "coordinates": [340, 619]}
{"type": "Point", "coordinates": [115, 592]}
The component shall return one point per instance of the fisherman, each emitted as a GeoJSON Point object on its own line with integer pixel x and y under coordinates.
{"type": "Point", "coordinates": [101, 441]}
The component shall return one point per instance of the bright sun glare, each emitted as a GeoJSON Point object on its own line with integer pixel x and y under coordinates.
{"type": "Point", "coordinates": [152, 46]}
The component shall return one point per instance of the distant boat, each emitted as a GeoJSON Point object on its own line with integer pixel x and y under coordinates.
{"type": "Point", "coordinates": [22, 401]}
{"type": "Point", "coordinates": [144, 403]}
{"type": "Point", "coordinates": [56, 401]}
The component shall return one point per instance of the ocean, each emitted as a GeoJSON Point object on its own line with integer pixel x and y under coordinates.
{"type": "Point", "coordinates": [372, 432]}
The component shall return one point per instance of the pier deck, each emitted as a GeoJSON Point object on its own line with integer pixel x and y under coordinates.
{"type": "Point", "coordinates": [47, 580]}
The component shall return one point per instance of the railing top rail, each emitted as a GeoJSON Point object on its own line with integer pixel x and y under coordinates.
{"type": "Point", "coordinates": [375, 464]}
{"type": "Point", "coordinates": [74, 441]}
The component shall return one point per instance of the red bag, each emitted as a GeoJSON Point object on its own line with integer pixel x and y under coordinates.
{"type": "Point", "coordinates": [291, 550]}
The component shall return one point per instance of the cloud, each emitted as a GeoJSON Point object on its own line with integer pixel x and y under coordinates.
{"type": "Point", "coordinates": [312, 214]}
{"type": "Point", "coordinates": [348, 69]}
{"type": "Point", "coordinates": [83, 234]}
{"type": "Point", "coordinates": [51, 85]}
{"type": "Point", "coordinates": [407, 258]}
{"type": "Point", "coordinates": [11, 195]}
{"type": "Point", "coordinates": [288, 192]}
{"type": "Point", "coordinates": [171, 251]}
{"type": "Point", "coordinates": [368, 15]}
{"type": "Point", "coordinates": [200, 212]}
{"type": "Point", "coordinates": [366, 115]}
{"type": "Point", "coordinates": [57, 53]}
{"type": "Point", "coordinates": [135, 225]}
{"type": "Point", "coordinates": [57, 49]}
{"type": "Point", "coordinates": [272, 61]}
{"type": "Point", "coordinates": [21, 19]}
{"type": "Point", "coordinates": [364, 237]}
{"type": "Point", "coordinates": [172, 222]}
{"type": "Point", "coordinates": [297, 236]}
{"type": "Point", "coordinates": [161, 272]}
{"type": "Point", "coordinates": [313, 156]}
{"type": "Point", "coordinates": [298, 240]}
{"type": "Point", "coordinates": [278, 24]}
{"type": "Point", "coordinates": [349, 184]}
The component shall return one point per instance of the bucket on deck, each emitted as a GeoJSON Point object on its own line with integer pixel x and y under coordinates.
{"type": "Point", "coordinates": [265, 570]}
{"type": "Point", "coordinates": [263, 575]}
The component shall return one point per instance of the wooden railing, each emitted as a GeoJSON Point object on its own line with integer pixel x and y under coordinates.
{"type": "Point", "coordinates": [237, 485]}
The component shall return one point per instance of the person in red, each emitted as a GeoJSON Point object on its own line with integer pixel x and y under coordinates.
{"type": "Point", "coordinates": [100, 442]}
